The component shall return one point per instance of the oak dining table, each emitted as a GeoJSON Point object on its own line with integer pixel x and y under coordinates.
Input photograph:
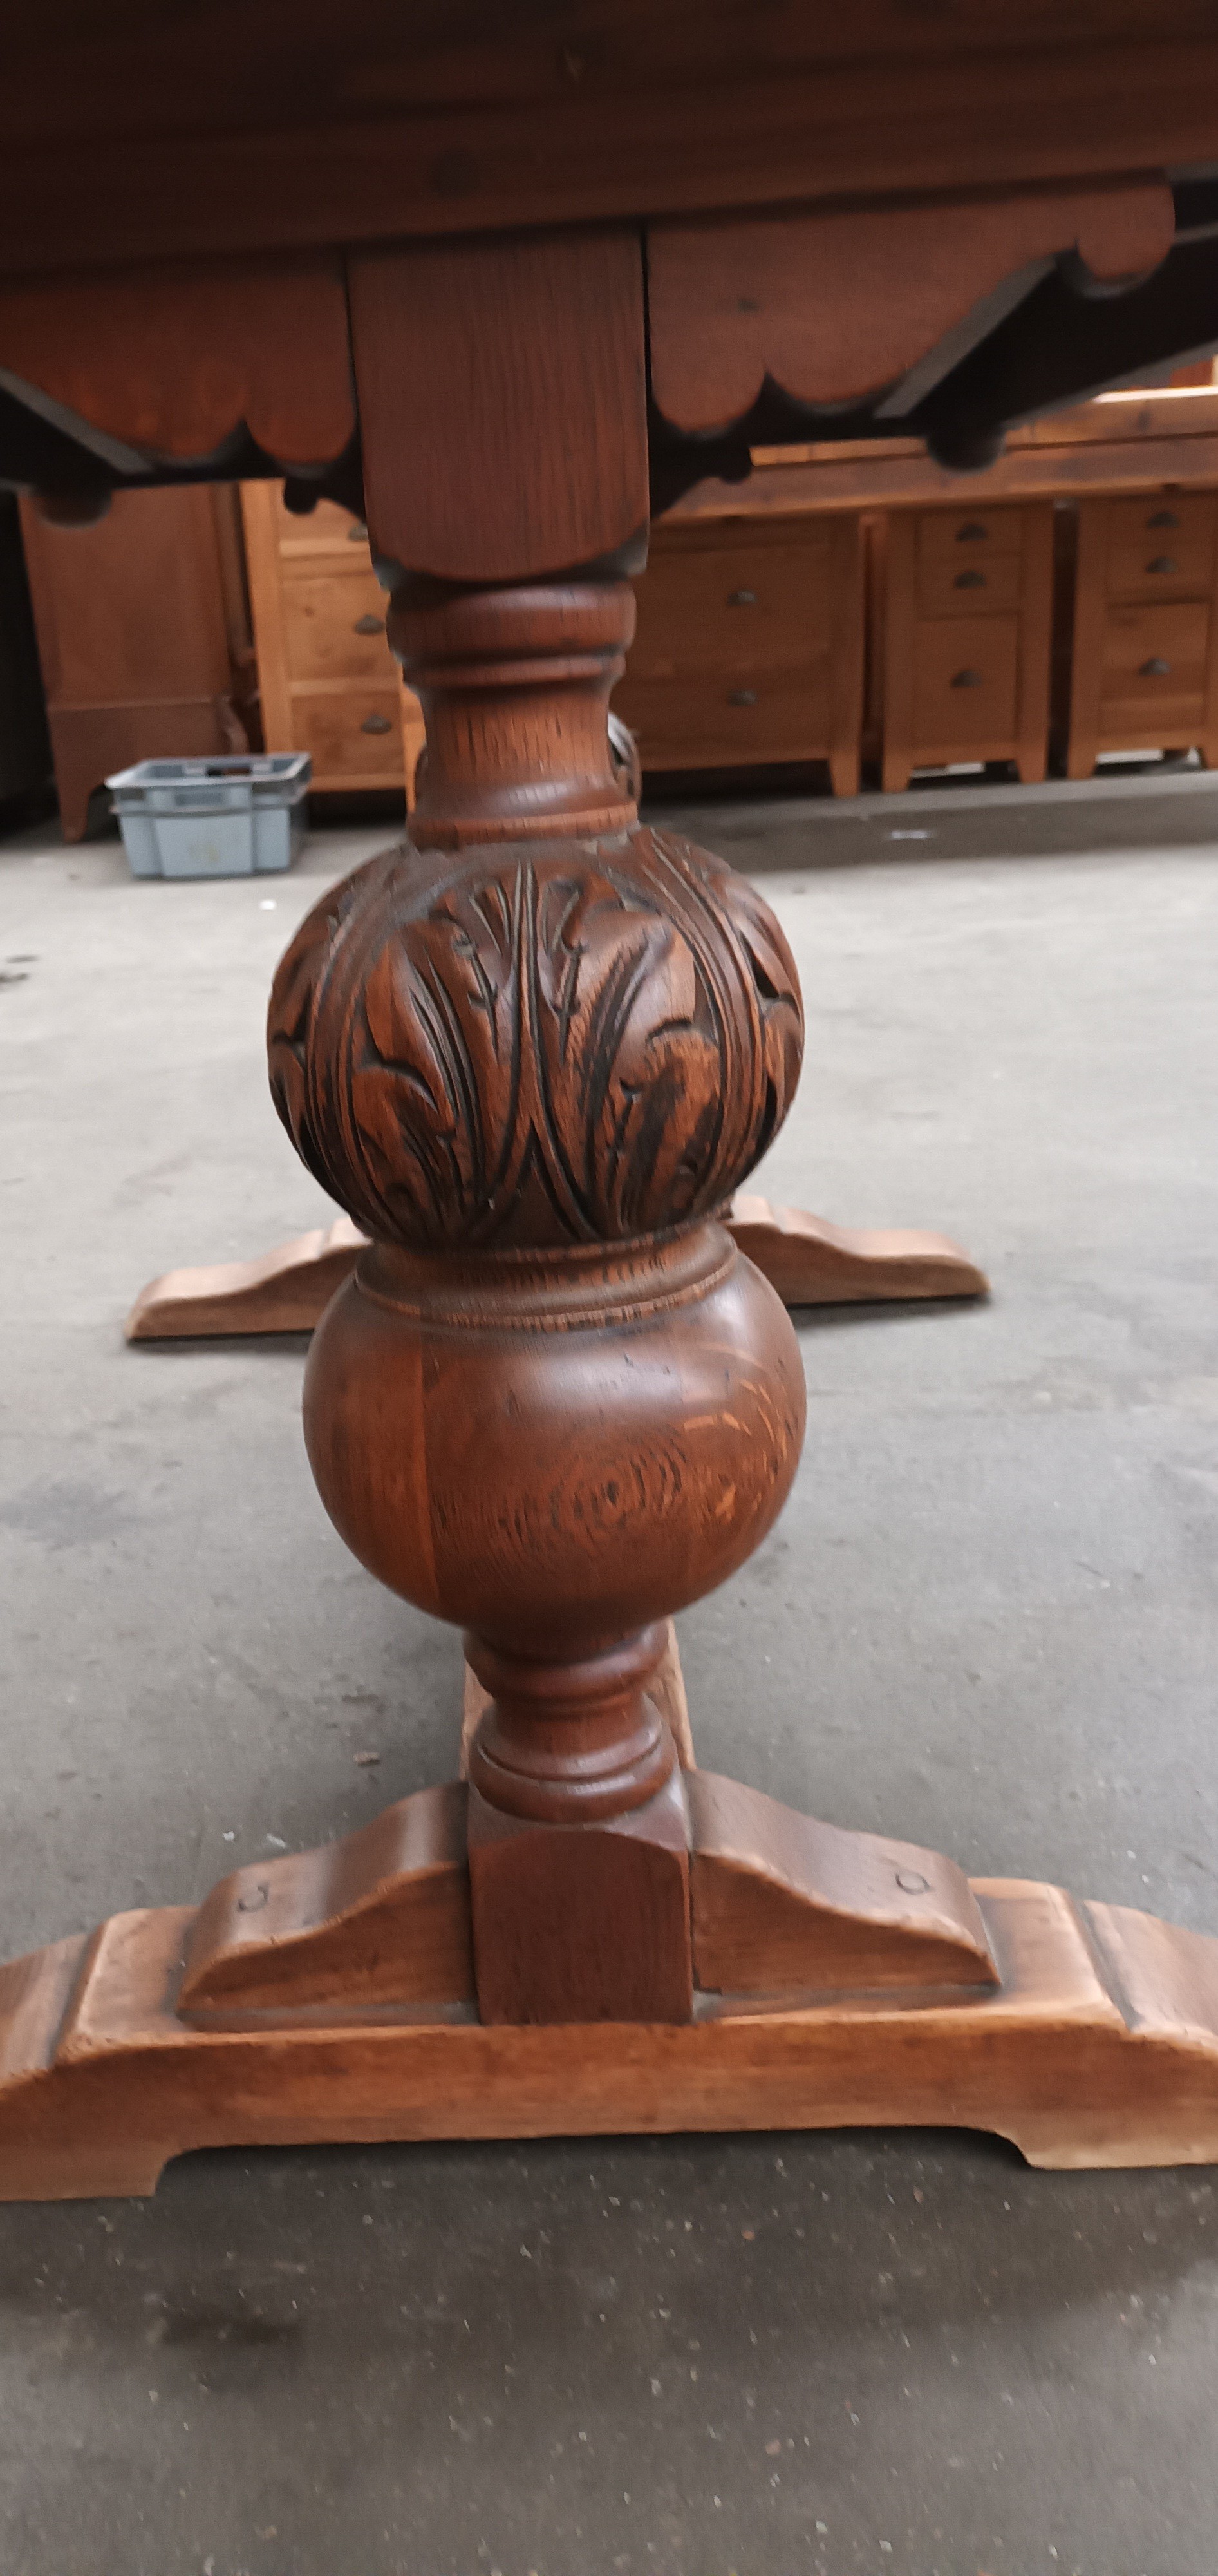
{"type": "Point", "coordinates": [507, 282]}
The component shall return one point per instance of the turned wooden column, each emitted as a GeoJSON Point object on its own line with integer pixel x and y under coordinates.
{"type": "Point", "coordinates": [554, 1404]}
{"type": "Point", "coordinates": [532, 1052]}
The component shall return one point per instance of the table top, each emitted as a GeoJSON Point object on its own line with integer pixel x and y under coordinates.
{"type": "Point", "coordinates": [129, 132]}
{"type": "Point", "coordinates": [887, 223]}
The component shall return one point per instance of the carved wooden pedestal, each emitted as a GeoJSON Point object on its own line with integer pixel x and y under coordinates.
{"type": "Point", "coordinates": [554, 1402]}
{"type": "Point", "coordinates": [809, 1262]}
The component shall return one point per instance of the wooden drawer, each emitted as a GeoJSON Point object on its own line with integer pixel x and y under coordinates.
{"type": "Point", "coordinates": [968, 536]}
{"type": "Point", "coordinates": [334, 623]}
{"type": "Point", "coordinates": [947, 588]}
{"type": "Point", "coordinates": [354, 735]}
{"type": "Point", "coordinates": [735, 608]}
{"type": "Point", "coordinates": [1161, 567]}
{"type": "Point", "coordinates": [1162, 521]}
{"type": "Point", "coordinates": [1154, 662]}
{"type": "Point", "coordinates": [966, 672]}
{"type": "Point", "coordinates": [706, 723]}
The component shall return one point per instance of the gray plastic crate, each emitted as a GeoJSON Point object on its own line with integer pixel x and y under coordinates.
{"type": "Point", "coordinates": [229, 817]}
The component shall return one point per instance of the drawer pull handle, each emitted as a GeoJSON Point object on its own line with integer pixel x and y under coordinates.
{"type": "Point", "coordinates": [1155, 669]}
{"type": "Point", "coordinates": [376, 724]}
{"type": "Point", "coordinates": [972, 533]}
{"type": "Point", "coordinates": [369, 625]}
{"type": "Point", "coordinates": [970, 580]}
{"type": "Point", "coordinates": [357, 534]}
{"type": "Point", "coordinates": [742, 599]}
{"type": "Point", "coordinates": [1162, 563]}
{"type": "Point", "coordinates": [968, 679]}
{"type": "Point", "coordinates": [742, 697]}
{"type": "Point", "coordinates": [1163, 519]}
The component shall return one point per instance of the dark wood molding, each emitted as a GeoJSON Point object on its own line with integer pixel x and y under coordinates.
{"type": "Point", "coordinates": [831, 307]}
{"type": "Point", "coordinates": [171, 361]}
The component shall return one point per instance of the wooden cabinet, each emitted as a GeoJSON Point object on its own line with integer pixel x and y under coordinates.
{"type": "Point", "coordinates": [143, 635]}
{"type": "Point", "coordinates": [328, 681]}
{"type": "Point", "coordinates": [1144, 665]}
{"type": "Point", "coordinates": [968, 629]}
{"type": "Point", "coordinates": [749, 646]}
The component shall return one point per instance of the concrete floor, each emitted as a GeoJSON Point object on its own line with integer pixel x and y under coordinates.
{"type": "Point", "coordinates": [986, 1620]}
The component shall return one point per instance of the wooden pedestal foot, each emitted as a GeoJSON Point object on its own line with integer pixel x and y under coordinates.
{"type": "Point", "coordinates": [812, 1263]}
{"type": "Point", "coordinates": [284, 1291]}
{"type": "Point", "coordinates": [841, 1980]}
{"type": "Point", "coordinates": [808, 1261]}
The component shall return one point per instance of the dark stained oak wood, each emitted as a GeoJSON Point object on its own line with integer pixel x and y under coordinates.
{"type": "Point", "coordinates": [832, 306]}
{"type": "Point", "coordinates": [169, 361]}
{"type": "Point", "coordinates": [533, 1054]}
{"type": "Point", "coordinates": [502, 392]}
{"type": "Point", "coordinates": [572, 1925]}
{"type": "Point", "coordinates": [665, 1688]}
{"type": "Point", "coordinates": [1099, 2048]}
{"type": "Point", "coordinates": [370, 126]}
{"type": "Point", "coordinates": [560, 647]}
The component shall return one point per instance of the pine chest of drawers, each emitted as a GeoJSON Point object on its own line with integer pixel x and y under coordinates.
{"type": "Point", "coordinates": [1144, 665]}
{"type": "Point", "coordinates": [968, 628]}
{"type": "Point", "coordinates": [749, 645]}
{"type": "Point", "coordinates": [328, 682]}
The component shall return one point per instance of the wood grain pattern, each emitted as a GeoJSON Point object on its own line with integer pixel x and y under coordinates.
{"type": "Point", "coordinates": [830, 307]}
{"type": "Point", "coordinates": [783, 1903]}
{"type": "Point", "coordinates": [376, 1920]}
{"type": "Point", "coordinates": [368, 126]}
{"type": "Point", "coordinates": [514, 686]}
{"type": "Point", "coordinates": [567, 1450]}
{"type": "Point", "coordinates": [575, 1925]}
{"type": "Point", "coordinates": [552, 1405]}
{"type": "Point", "coordinates": [170, 361]}
{"type": "Point", "coordinates": [665, 1687]}
{"type": "Point", "coordinates": [502, 396]}
{"type": "Point", "coordinates": [1099, 2048]}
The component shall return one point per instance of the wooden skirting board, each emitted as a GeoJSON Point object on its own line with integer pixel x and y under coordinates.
{"type": "Point", "coordinates": [808, 1261]}
{"type": "Point", "coordinates": [844, 1980]}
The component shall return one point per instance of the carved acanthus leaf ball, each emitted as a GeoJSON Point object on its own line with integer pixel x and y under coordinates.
{"type": "Point", "coordinates": [537, 1044]}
